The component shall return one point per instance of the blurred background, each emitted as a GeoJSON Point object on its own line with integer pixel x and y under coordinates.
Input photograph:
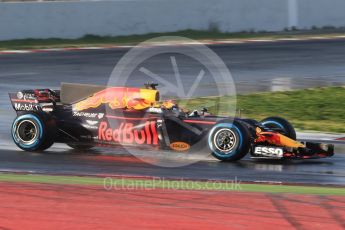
{"type": "Point", "coordinates": [75, 19]}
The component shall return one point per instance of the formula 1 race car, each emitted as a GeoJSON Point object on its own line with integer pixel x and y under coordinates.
{"type": "Point", "coordinates": [84, 116]}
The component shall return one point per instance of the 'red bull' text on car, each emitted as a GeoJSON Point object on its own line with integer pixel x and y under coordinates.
{"type": "Point", "coordinates": [84, 116]}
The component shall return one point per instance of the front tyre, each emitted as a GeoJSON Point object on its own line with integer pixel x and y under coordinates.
{"type": "Point", "coordinates": [280, 125]}
{"type": "Point", "coordinates": [33, 132]}
{"type": "Point", "coordinates": [229, 141]}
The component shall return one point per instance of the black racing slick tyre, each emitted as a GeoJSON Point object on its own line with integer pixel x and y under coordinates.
{"type": "Point", "coordinates": [33, 132]}
{"type": "Point", "coordinates": [280, 125]}
{"type": "Point", "coordinates": [229, 141]}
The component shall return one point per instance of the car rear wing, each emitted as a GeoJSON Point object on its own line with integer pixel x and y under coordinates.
{"type": "Point", "coordinates": [35, 100]}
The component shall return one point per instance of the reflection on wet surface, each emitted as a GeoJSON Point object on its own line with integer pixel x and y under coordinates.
{"type": "Point", "coordinates": [108, 161]}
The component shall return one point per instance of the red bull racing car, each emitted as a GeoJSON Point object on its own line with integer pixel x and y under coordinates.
{"type": "Point", "coordinates": [85, 116]}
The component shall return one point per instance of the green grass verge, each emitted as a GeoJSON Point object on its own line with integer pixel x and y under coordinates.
{"type": "Point", "coordinates": [131, 184]}
{"type": "Point", "coordinates": [319, 109]}
{"type": "Point", "coordinates": [94, 40]}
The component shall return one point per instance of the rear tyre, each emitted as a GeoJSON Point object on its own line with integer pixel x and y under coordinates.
{"type": "Point", "coordinates": [280, 125]}
{"type": "Point", "coordinates": [229, 141]}
{"type": "Point", "coordinates": [33, 132]}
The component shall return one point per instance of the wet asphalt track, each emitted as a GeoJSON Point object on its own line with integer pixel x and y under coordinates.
{"type": "Point", "coordinates": [255, 67]}
{"type": "Point", "coordinates": [106, 162]}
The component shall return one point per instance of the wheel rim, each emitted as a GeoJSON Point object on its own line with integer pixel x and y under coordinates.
{"type": "Point", "coordinates": [225, 140]}
{"type": "Point", "coordinates": [27, 132]}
